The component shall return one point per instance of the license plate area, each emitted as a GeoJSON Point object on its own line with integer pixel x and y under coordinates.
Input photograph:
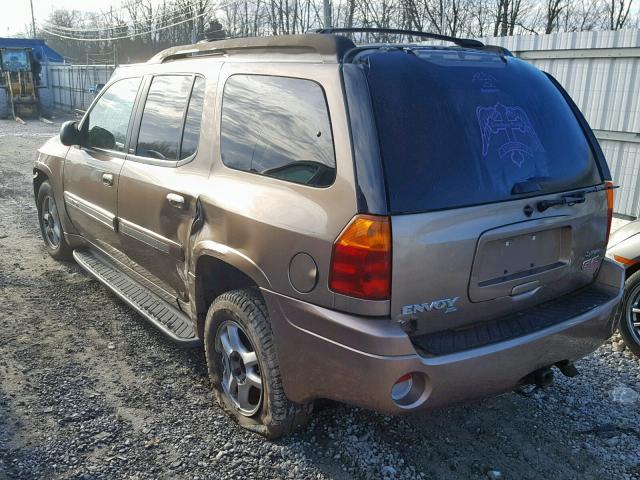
{"type": "Point", "coordinates": [514, 260]}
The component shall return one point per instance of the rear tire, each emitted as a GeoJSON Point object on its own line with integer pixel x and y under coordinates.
{"type": "Point", "coordinates": [243, 366]}
{"type": "Point", "coordinates": [629, 332]}
{"type": "Point", "coordinates": [50, 226]}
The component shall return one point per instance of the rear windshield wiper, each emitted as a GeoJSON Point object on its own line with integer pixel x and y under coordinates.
{"type": "Point", "coordinates": [573, 198]}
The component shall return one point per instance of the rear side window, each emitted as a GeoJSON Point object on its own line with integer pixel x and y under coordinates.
{"type": "Point", "coordinates": [278, 127]}
{"type": "Point", "coordinates": [107, 123]}
{"type": "Point", "coordinates": [459, 129]}
{"type": "Point", "coordinates": [163, 117]}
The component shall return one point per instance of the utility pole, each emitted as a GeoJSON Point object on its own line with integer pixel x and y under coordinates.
{"type": "Point", "coordinates": [33, 20]}
{"type": "Point", "coordinates": [194, 31]}
{"type": "Point", "coordinates": [327, 13]}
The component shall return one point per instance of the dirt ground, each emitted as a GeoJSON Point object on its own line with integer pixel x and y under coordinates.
{"type": "Point", "coordinates": [89, 390]}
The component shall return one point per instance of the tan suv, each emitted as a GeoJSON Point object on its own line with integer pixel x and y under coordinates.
{"type": "Point", "coordinates": [390, 226]}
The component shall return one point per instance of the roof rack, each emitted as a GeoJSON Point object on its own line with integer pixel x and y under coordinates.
{"type": "Point", "coordinates": [461, 42]}
{"type": "Point", "coordinates": [318, 46]}
{"type": "Point", "coordinates": [325, 48]}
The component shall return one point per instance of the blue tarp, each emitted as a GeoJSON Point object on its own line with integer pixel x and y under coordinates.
{"type": "Point", "coordinates": [41, 51]}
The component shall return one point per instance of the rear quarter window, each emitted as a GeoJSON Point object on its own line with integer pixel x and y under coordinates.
{"type": "Point", "coordinates": [277, 127]}
{"type": "Point", "coordinates": [459, 129]}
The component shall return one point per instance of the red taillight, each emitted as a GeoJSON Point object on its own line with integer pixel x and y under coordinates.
{"type": "Point", "coordinates": [609, 192]}
{"type": "Point", "coordinates": [361, 260]}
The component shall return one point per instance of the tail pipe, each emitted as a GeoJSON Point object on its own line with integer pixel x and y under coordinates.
{"type": "Point", "coordinates": [568, 369]}
{"type": "Point", "coordinates": [543, 377]}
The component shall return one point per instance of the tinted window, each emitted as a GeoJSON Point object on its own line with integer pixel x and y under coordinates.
{"type": "Point", "coordinates": [192, 123]}
{"type": "Point", "coordinates": [163, 117]}
{"type": "Point", "coordinates": [278, 127]}
{"type": "Point", "coordinates": [461, 129]}
{"type": "Point", "coordinates": [108, 120]}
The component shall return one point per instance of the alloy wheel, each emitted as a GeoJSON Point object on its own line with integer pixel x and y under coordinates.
{"type": "Point", "coordinates": [241, 377]}
{"type": "Point", "coordinates": [51, 222]}
{"type": "Point", "coordinates": [632, 316]}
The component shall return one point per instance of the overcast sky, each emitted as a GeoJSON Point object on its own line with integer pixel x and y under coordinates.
{"type": "Point", "coordinates": [13, 18]}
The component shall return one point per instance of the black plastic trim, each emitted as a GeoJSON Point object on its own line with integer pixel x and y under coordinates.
{"type": "Point", "coordinates": [371, 192]}
{"type": "Point", "coordinates": [512, 326]}
{"type": "Point", "coordinates": [462, 42]}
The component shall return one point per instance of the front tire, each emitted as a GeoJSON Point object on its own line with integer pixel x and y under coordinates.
{"type": "Point", "coordinates": [243, 366]}
{"type": "Point", "coordinates": [50, 226]}
{"type": "Point", "coordinates": [630, 319]}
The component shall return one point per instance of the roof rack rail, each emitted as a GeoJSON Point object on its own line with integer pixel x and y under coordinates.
{"type": "Point", "coordinates": [461, 42]}
{"type": "Point", "coordinates": [324, 48]}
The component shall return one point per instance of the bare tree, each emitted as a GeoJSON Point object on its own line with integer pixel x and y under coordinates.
{"type": "Point", "coordinates": [553, 10]}
{"type": "Point", "coordinates": [142, 27]}
{"type": "Point", "coordinates": [481, 18]}
{"type": "Point", "coordinates": [618, 11]}
{"type": "Point", "coordinates": [584, 15]}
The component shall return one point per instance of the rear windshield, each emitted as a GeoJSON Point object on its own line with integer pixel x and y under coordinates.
{"type": "Point", "coordinates": [465, 128]}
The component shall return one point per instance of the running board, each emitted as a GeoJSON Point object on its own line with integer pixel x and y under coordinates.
{"type": "Point", "coordinates": [167, 318]}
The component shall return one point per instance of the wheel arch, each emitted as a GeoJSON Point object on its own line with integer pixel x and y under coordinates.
{"type": "Point", "coordinates": [216, 270]}
{"type": "Point", "coordinates": [631, 269]}
{"type": "Point", "coordinates": [43, 173]}
{"type": "Point", "coordinates": [40, 175]}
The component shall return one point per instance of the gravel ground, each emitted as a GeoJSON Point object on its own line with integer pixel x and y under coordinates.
{"type": "Point", "coordinates": [88, 390]}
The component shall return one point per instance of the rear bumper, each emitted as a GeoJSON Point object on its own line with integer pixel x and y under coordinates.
{"type": "Point", "coordinates": [356, 360]}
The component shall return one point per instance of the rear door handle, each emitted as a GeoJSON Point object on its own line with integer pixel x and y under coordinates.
{"type": "Point", "coordinates": [175, 200]}
{"type": "Point", "coordinates": [107, 179]}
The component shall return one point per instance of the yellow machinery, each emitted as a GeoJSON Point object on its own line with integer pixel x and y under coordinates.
{"type": "Point", "coordinates": [18, 80]}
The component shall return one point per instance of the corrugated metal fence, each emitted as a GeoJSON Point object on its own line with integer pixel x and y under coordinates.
{"type": "Point", "coordinates": [73, 86]}
{"type": "Point", "coordinates": [601, 72]}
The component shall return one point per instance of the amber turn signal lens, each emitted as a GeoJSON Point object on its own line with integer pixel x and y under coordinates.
{"type": "Point", "coordinates": [609, 192]}
{"type": "Point", "coordinates": [624, 260]}
{"type": "Point", "coordinates": [361, 260]}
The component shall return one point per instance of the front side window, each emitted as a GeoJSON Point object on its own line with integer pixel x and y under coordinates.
{"type": "Point", "coordinates": [107, 123]}
{"type": "Point", "coordinates": [163, 117]}
{"type": "Point", "coordinates": [277, 127]}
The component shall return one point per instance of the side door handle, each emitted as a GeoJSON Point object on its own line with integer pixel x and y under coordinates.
{"type": "Point", "coordinates": [175, 200]}
{"type": "Point", "coordinates": [107, 179]}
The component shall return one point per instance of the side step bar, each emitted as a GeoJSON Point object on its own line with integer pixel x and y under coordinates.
{"type": "Point", "coordinates": [167, 318]}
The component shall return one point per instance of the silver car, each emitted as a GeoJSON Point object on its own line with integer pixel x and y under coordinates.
{"type": "Point", "coordinates": [624, 247]}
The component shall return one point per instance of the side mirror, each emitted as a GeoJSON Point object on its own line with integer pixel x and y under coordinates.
{"type": "Point", "coordinates": [69, 133]}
